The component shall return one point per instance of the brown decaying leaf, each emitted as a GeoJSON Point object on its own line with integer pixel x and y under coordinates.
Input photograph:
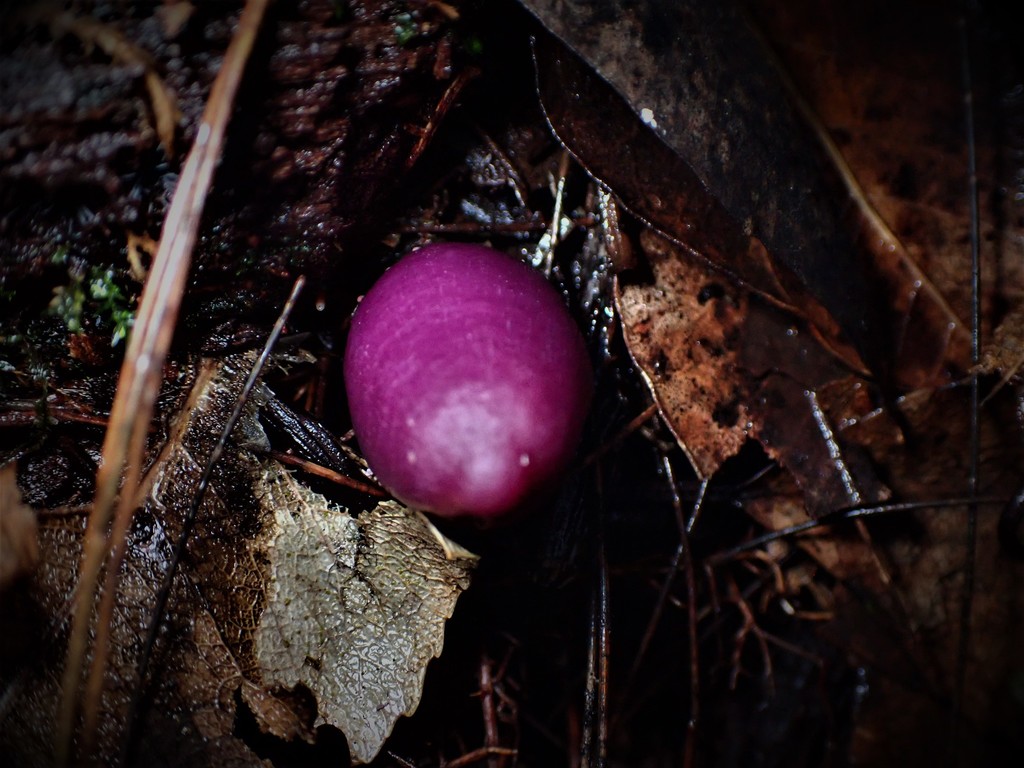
{"type": "Point", "coordinates": [682, 331]}
{"type": "Point", "coordinates": [724, 366]}
{"type": "Point", "coordinates": [721, 159]}
{"type": "Point", "coordinates": [19, 548]}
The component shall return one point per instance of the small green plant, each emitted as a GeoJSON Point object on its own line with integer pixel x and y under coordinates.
{"type": "Point", "coordinates": [96, 292]}
{"type": "Point", "coordinates": [406, 27]}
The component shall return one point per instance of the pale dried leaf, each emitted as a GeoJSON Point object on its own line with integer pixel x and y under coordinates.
{"type": "Point", "coordinates": [356, 608]}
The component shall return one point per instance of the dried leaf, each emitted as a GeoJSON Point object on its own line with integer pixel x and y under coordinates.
{"type": "Point", "coordinates": [364, 599]}
{"type": "Point", "coordinates": [356, 608]}
{"type": "Point", "coordinates": [278, 565]}
{"type": "Point", "coordinates": [693, 130]}
{"type": "Point", "coordinates": [19, 548]}
{"type": "Point", "coordinates": [681, 331]}
{"type": "Point", "coordinates": [723, 365]}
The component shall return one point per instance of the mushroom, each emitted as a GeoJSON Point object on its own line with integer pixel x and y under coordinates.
{"type": "Point", "coordinates": [468, 382]}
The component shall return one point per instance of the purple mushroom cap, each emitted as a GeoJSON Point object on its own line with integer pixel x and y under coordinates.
{"type": "Point", "coordinates": [468, 382]}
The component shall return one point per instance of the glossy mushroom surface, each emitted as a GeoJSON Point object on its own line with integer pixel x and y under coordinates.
{"type": "Point", "coordinates": [468, 381]}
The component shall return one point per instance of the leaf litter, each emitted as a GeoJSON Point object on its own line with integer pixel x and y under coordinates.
{"type": "Point", "coordinates": [293, 592]}
{"type": "Point", "coordinates": [763, 366]}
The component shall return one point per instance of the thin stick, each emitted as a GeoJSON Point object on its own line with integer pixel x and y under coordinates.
{"type": "Point", "coordinates": [971, 529]}
{"type": "Point", "coordinates": [665, 589]}
{"type": "Point", "coordinates": [635, 423]}
{"type": "Point", "coordinates": [479, 754]}
{"type": "Point", "coordinates": [328, 474]}
{"type": "Point", "coordinates": [846, 514]}
{"type": "Point", "coordinates": [141, 373]}
{"type": "Point", "coordinates": [594, 751]}
{"type": "Point", "coordinates": [692, 722]}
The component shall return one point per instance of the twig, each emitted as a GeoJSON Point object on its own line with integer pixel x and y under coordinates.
{"type": "Point", "coordinates": [664, 591]}
{"type": "Point", "coordinates": [635, 423]}
{"type": "Point", "coordinates": [690, 748]}
{"type": "Point", "coordinates": [327, 473]}
{"type": "Point", "coordinates": [141, 372]}
{"type": "Point", "coordinates": [477, 755]}
{"type": "Point", "coordinates": [594, 752]}
{"type": "Point", "coordinates": [749, 627]}
{"type": "Point", "coordinates": [971, 529]}
{"type": "Point", "coordinates": [847, 514]}
{"type": "Point", "coordinates": [488, 710]}
{"type": "Point", "coordinates": [400, 760]}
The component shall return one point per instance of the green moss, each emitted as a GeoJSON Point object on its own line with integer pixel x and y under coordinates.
{"type": "Point", "coordinates": [98, 294]}
{"type": "Point", "coordinates": [406, 27]}
{"type": "Point", "coordinates": [69, 303]}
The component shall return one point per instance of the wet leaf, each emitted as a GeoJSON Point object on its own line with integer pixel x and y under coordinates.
{"type": "Point", "coordinates": [678, 111]}
{"type": "Point", "coordinates": [682, 113]}
{"type": "Point", "coordinates": [356, 607]}
{"type": "Point", "coordinates": [723, 366]}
